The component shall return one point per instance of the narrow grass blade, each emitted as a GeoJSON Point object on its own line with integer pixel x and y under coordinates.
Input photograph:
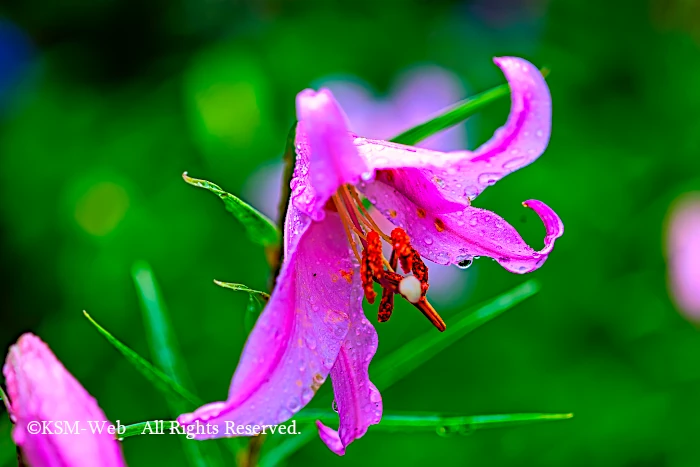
{"type": "Point", "coordinates": [159, 379]}
{"type": "Point", "coordinates": [149, 427]}
{"type": "Point", "coordinates": [166, 352]}
{"type": "Point", "coordinates": [161, 338]}
{"type": "Point", "coordinates": [455, 114]}
{"type": "Point", "coordinates": [259, 228]}
{"type": "Point", "coordinates": [5, 401]}
{"type": "Point", "coordinates": [411, 355]}
{"type": "Point", "coordinates": [244, 288]}
{"type": "Point", "coordinates": [289, 446]}
{"type": "Point", "coordinates": [444, 424]}
{"type": "Point", "coordinates": [256, 302]}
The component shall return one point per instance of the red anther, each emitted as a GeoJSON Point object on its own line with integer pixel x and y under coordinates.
{"type": "Point", "coordinates": [420, 270]}
{"type": "Point", "coordinates": [386, 306]}
{"type": "Point", "coordinates": [391, 280]}
{"type": "Point", "coordinates": [367, 279]}
{"type": "Point", "coordinates": [374, 254]}
{"type": "Point", "coordinates": [402, 246]}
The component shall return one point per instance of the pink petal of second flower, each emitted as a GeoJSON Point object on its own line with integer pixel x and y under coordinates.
{"type": "Point", "coordinates": [42, 390]}
{"type": "Point", "coordinates": [683, 254]}
{"type": "Point", "coordinates": [297, 338]}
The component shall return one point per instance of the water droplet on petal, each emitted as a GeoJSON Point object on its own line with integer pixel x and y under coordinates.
{"type": "Point", "coordinates": [464, 264]}
{"type": "Point", "coordinates": [428, 241]}
{"type": "Point", "coordinates": [334, 406]}
{"type": "Point", "coordinates": [283, 415]}
{"type": "Point", "coordinates": [488, 178]}
{"type": "Point", "coordinates": [539, 133]}
{"type": "Point", "coordinates": [513, 163]}
{"type": "Point", "coordinates": [293, 404]}
{"type": "Point", "coordinates": [310, 342]}
{"type": "Point", "coordinates": [473, 221]}
{"type": "Point", "coordinates": [306, 395]}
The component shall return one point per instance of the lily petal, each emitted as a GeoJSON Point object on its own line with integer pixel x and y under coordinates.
{"type": "Point", "coordinates": [358, 400]}
{"type": "Point", "coordinates": [326, 157]}
{"type": "Point", "coordinates": [429, 193]}
{"type": "Point", "coordinates": [298, 336]}
{"type": "Point", "coordinates": [461, 176]}
{"type": "Point", "coordinates": [41, 390]}
{"type": "Point", "coordinates": [451, 238]}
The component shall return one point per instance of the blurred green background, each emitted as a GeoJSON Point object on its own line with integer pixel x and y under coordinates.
{"type": "Point", "coordinates": [104, 104]}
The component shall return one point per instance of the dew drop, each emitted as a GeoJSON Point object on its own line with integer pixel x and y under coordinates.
{"type": "Point", "coordinates": [471, 192]}
{"type": "Point", "coordinates": [440, 182]}
{"type": "Point", "coordinates": [539, 133]}
{"type": "Point", "coordinates": [334, 406]}
{"type": "Point", "coordinates": [310, 342]}
{"type": "Point", "coordinates": [488, 178]}
{"type": "Point", "coordinates": [513, 163]}
{"type": "Point", "coordinates": [293, 404]}
{"type": "Point", "coordinates": [428, 241]}
{"type": "Point", "coordinates": [464, 264]}
{"type": "Point", "coordinates": [306, 395]}
{"type": "Point", "coordinates": [473, 221]}
{"type": "Point", "coordinates": [283, 415]}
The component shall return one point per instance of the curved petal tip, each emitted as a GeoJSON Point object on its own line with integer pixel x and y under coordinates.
{"type": "Point", "coordinates": [331, 438]}
{"type": "Point", "coordinates": [552, 223]}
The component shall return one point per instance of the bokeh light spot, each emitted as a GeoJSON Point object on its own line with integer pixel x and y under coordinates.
{"type": "Point", "coordinates": [101, 208]}
{"type": "Point", "coordinates": [230, 111]}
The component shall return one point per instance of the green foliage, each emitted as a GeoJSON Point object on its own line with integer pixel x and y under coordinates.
{"type": "Point", "coordinates": [259, 228]}
{"type": "Point", "coordinates": [159, 379]}
{"type": "Point", "coordinates": [166, 353]}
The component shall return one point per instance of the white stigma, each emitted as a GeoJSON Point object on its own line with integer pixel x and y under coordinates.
{"type": "Point", "coordinates": [410, 288]}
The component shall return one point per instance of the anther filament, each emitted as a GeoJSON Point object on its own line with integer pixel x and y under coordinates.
{"type": "Point", "coordinates": [413, 287]}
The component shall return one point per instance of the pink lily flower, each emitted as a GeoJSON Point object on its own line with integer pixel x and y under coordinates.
{"type": "Point", "coordinates": [44, 399]}
{"type": "Point", "coordinates": [313, 324]}
{"type": "Point", "coordinates": [683, 255]}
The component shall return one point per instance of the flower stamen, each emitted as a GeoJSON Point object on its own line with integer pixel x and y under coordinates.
{"type": "Point", "coordinates": [375, 268]}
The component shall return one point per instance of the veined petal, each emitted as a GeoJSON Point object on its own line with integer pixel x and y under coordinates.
{"type": "Point", "coordinates": [429, 193]}
{"type": "Point", "coordinates": [41, 390]}
{"type": "Point", "coordinates": [451, 238]}
{"type": "Point", "coordinates": [358, 400]}
{"type": "Point", "coordinates": [461, 176]}
{"type": "Point", "coordinates": [326, 156]}
{"type": "Point", "coordinates": [298, 336]}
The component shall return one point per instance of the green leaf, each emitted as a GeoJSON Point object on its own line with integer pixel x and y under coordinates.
{"type": "Point", "coordinates": [455, 114]}
{"type": "Point", "coordinates": [256, 302]}
{"type": "Point", "coordinates": [159, 379]}
{"type": "Point", "coordinates": [289, 446]}
{"type": "Point", "coordinates": [144, 428]}
{"type": "Point", "coordinates": [259, 228]}
{"type": "Point", "coordinates": [414, 353]}
{"type": "Point", "coordinates": [410, 356]}
{"type": "Point", "coordinates": [5, 400]}
{"type": "Point", "coordinates": [166, 352]}
{"type": "Point", "coordinates": [244, 288]}
{"type": "Point", "coordinates": [444, 424]}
